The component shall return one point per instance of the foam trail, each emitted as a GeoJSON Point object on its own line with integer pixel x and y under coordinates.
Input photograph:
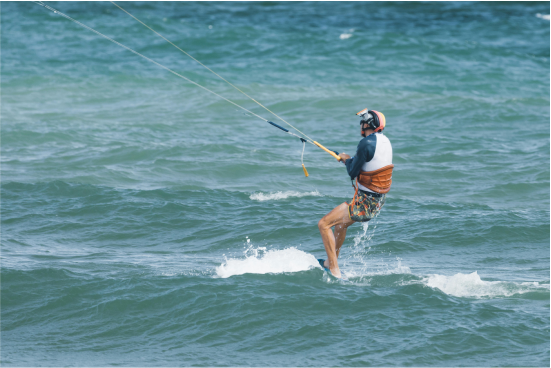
{"type": "Point", "coordinates": [471, 285]}
{"type": "Point", "coordinates": [282, 195]}
{"type": "Point", "coordinates": [544, 16]}
{"type": "Point", "coordinates": [363, 269]}
{"type": "Point", "coordinates": [271, 261]}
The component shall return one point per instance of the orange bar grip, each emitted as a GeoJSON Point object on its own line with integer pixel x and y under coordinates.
{"type": "Point", "coordinates": [305, 172]}
{"type": "Point", "coordinates": [328, 151]}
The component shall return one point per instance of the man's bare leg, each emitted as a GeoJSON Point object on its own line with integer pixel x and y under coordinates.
{"type": "Point", "coordinates": [338, 217]}
{"type": "Point", "coordinates": [340, 235]}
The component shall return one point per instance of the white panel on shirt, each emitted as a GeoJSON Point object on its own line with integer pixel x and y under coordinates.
{"type": "Point", "coordinates": [382, 157]}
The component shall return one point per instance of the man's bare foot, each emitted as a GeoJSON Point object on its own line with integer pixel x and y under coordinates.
{"type": "Point", "coordinates": [334, 271]}
{"type": "Point", "coordinates": [337, 273]}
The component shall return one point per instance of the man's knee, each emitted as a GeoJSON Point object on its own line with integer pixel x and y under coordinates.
{"type": "Point", "coordinates": [322, 224]}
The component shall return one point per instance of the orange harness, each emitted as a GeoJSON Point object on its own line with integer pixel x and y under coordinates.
{"type": "Point", "coordinates": [378, 180]}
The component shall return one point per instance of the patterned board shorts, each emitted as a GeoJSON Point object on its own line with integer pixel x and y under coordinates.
{"type": "Point", "coordinates": [365, 206]}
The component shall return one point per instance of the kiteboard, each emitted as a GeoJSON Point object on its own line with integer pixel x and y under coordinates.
{"type": "Point", "coordinates": [328, 271]}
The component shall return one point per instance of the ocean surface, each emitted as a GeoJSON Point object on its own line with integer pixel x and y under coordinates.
{"type": "Point", "coordinates": [146, 222]}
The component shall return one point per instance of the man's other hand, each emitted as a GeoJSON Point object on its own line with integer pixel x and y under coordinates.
{"type": "Point", "coordinates": [344, 157]}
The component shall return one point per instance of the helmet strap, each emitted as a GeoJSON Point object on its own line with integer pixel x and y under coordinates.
{"type": "Point", "coordinates": [364, 128]}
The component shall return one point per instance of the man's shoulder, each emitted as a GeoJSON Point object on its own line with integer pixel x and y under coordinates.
{"type": "Point", "coordinates": [370, 139]}
{"type": "Point", "coordinates": [383, 139]}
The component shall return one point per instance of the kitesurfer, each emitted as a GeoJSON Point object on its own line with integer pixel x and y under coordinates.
{"type": "Point", "coordinates": [372, 169]}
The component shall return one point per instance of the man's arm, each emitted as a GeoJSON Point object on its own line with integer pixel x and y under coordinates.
{"type": "Point", "coordinates": [365, 152]}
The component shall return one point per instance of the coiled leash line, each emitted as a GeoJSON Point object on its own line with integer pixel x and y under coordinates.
{"type": "Point", "coordinates": [303, 145]}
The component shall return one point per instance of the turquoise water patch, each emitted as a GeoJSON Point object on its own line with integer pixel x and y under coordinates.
{"type": "Point", "coordinates": [146, 222]}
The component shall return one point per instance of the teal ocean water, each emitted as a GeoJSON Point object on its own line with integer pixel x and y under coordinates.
{"type": "Point", "coordinates": [146, 222]}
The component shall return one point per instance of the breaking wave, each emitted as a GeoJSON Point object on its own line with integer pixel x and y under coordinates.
{"type": "Point", "coordinates": [262, 261]}
{"type": "Point", "coordinates": [471, 285]}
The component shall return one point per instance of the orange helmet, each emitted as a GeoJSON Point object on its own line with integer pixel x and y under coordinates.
{"type": "Point", "coordinates": [375, 119]}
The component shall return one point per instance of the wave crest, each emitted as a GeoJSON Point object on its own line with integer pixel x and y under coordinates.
{"type": "Point", "coordinates": [282, 195]}
{"type": "Point", "coordinates": [262, 261]}
{"type": "Point", "coordinates": [471, 285]}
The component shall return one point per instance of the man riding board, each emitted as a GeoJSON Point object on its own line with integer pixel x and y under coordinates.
{"type": "Point", "coordinates": [372, 168]}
